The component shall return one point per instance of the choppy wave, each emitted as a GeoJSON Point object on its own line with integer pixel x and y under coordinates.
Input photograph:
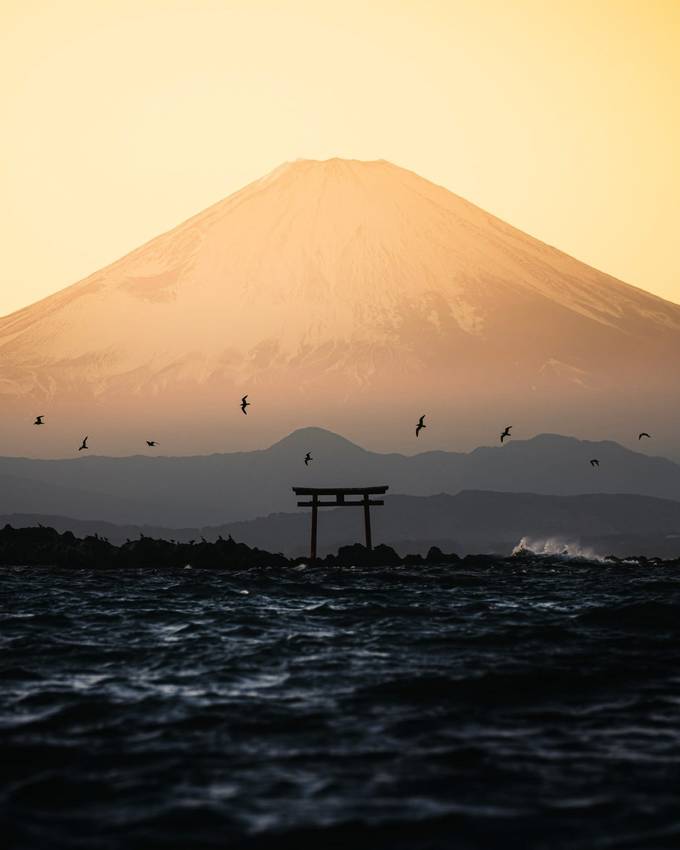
{"type": "Point", "coordinates": [530, 701]}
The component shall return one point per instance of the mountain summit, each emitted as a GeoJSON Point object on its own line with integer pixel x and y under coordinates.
{"type": "Point", "coordinates": [356, 294]}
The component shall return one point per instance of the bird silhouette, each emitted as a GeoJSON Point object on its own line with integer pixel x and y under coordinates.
{"type": "Point", "coordinates": [245, 403]}
{"type": "Point", "coordinates": [39, 420]}
{"type": "Point", "coordinates": [83, 445]}
{"type": "Point", "coordinates": [151, 443]}
{"type": "Point", "coordinates": [308, 458]}
{"type": "Point", "coordinates": [506, 433]}
{"type": "Point", "coordinates": [421, 424]}
{"type": "Point", "coordinates": [644, 434]}
{"type": "Point", "coordinates": [594, 462]}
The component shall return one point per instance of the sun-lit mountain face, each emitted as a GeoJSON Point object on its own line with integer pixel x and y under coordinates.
{"type": "Point", "coordinates": [350, 294]}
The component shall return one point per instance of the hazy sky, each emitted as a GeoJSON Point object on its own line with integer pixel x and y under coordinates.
{"type": "Point", "coordinates": [122, 118]}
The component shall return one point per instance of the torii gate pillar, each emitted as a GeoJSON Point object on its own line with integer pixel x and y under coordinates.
{"type": "Point", "coordinates": [340, 494]}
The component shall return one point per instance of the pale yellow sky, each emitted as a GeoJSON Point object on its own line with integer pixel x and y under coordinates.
{"type": "Point", "coordinates": [121, 119]}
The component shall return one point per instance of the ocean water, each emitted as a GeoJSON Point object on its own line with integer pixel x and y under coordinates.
{"type": "Point", "coordinates": [525, 703]}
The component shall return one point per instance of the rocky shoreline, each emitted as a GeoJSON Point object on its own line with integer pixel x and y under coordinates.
{"type": "Point", "coordinates": [44, 547]}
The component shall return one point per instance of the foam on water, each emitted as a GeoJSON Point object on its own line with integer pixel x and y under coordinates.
{"type": "Point", "coordinates": [556, 547]}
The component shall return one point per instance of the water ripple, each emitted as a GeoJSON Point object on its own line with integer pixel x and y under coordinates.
{"type": "Point", "coordinates": [489, 705]}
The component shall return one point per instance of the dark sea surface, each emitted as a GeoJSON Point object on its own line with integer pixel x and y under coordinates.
{"type": "Point", "coordinates": [520, 703]}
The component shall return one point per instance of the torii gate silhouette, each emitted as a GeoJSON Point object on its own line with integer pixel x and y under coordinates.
{"type": "Point", "coordinates": [340, 494]}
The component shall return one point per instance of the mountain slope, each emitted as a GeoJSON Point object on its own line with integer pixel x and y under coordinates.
{"type": "Point", "coordinates": [213, 489]}
{"type": "Point", "coordinates": [351, 293]}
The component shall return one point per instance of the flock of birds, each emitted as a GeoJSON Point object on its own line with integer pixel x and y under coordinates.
{"type": "Point", "coordinates": [40, 420]}
{"type": "Point", "coordinates": [505, 434]}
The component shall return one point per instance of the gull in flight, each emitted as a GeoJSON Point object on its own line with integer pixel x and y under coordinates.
{"type": "Point", "coordinates": [421, 424]}
{"type": "Point", "coordinates": [644, 434]}
{"type": "Point", "coordinates": [151, 443]}
{"type": "Point", "coordinates": [245, 403]}
{"type": "Point", "coordinates": [83, 445]}
{"type": "Point", "coordinates": [594, 462]}
{"type": "Point", "coordinates": [506, 433]}
{"type": "Point", "coordinates": [39, 420]}
{"type": "Point", "coordinates": [308, 458]}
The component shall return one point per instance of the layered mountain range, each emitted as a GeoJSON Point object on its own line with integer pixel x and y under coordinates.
{"type": "Point", "coordinates": [205, 490]}
{"type": "Point", "coordinates": [356, 295]}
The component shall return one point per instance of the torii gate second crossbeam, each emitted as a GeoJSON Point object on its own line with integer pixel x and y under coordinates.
{"type": "Point", "coordinates": [341, 501]}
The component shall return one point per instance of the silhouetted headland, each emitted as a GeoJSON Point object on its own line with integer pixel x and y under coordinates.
{"type": "Point", "coordinates": [44, 547]}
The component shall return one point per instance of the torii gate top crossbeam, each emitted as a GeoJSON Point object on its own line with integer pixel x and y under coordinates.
{"type": "Point", "coordinates": [347, 491]}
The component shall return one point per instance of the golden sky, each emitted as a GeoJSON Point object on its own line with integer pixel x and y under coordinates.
{"type": "Point", "coordinates": [121, 118]}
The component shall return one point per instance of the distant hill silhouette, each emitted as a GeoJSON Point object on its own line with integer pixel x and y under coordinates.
{"type": "Point", "coordinates": [206, 490]}
{"type": "Point", "coordinates": [470, 522]}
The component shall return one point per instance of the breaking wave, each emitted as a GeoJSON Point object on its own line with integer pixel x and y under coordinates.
{"type": "Point", "coordinates": [556, 547]}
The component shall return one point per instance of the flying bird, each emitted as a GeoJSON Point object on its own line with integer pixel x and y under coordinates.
{"type": "Point", "coordinates": [421, 424]}
{"type": "Point", "coordinates": [39, 420]}
{"type": "Point", "coordinates": [84, 445]}
{"type": "Point", "coordinates": [644, 434]}
{"type": "Point", "coordinates": [245, 403]}
{"type": "Point", "coordinates": [594, 462]}
{"type": "Point", "coordinates": [308, 458]}
{"type": "Point", "coordinates": [506, 433]}
{"type": "Point", "coordinates": [151, 443]}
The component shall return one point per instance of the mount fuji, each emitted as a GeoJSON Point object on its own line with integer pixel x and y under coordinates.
{"type": "Point", "coordinates": [348, 294]}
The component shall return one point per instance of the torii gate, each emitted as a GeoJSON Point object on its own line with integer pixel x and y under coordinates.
{"type": "Point", "coordinates": [340, 502]}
